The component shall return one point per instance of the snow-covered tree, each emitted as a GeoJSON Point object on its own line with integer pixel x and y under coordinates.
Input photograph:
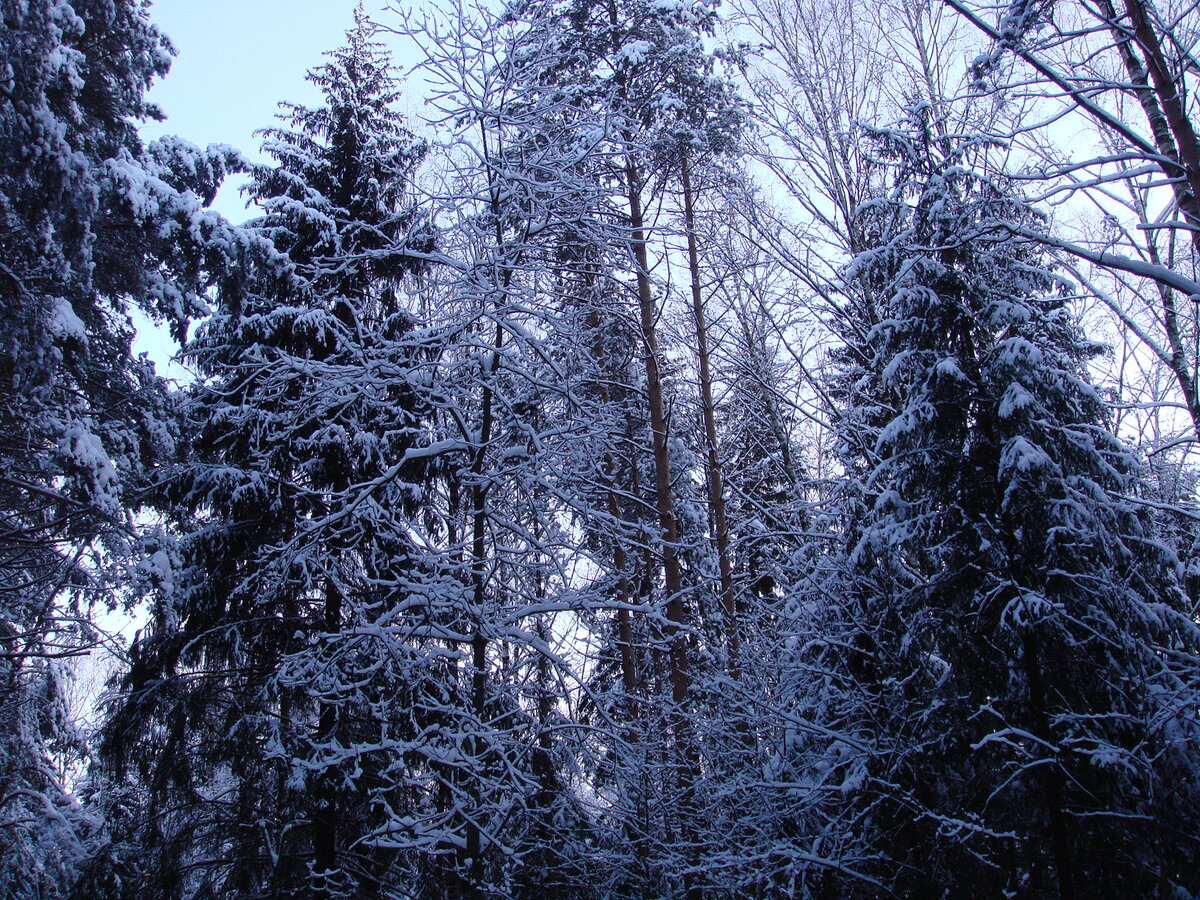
{"type": "Point", "coordinates": [484, 560]}
{"type": "Point", "coordinates": [642, 71]}
{"type": "Point", "coordinates": [521, 276]}
{"type": "Point", "coordinates": [268, 693]}
{"type": "Point", "coordinates": [92, 226]}
{"type": "Point", "coordinates": [1014, 708]}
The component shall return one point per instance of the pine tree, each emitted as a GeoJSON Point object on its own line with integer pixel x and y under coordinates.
{"type": "Point", "coordinates": [642, 69]}
{"type": "Point", "coordinates": [1016, 691]}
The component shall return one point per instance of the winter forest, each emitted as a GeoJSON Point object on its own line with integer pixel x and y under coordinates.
{"type": "Point", "coordinates": [698, 452]}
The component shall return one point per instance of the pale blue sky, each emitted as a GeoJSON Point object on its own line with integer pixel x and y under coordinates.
{"type": "Point", "coordinates": [237, 60]}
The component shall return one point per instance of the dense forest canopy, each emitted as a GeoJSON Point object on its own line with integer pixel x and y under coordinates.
{"type": "Point", "coordinates": [716, 451]}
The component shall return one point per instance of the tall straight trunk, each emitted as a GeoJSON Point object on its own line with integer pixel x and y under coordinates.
{"type": "Point", "coordinates": [664, 496]}
{"type": "Point", "coordinates": [688, 764]}
{"type": "Point", "coordinates": [663, 492]}
{"type": "Point", "coordinates": [472, 851]}
{"type": "Point", "coordinates": [716, 480]}
{"type": "Point", "coordinates": [473, 844]}
{"type": "Point", "coordinates": [639, 585]}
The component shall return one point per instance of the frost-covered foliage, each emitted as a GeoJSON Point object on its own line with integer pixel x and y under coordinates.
{"type": "Point", "coordinates": [765, 465]}
{"type": "Point", "coordinates": [283, 670]}
{"type": "Point", "coordinates": [637, 79]}
{"type": "Point", "coordinates": [647, 63]}
{"type": "Point", "coordinates": [86, 216]}
{"type": "Point", "coordinates": [521, 276]}
{"type": "Point", "coordinates": [1014, 706]}
{"type": "Point", "coordinates": [467, 579]}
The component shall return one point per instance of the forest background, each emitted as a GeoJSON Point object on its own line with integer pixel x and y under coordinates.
{"type": "Point", "coordinates": [638, 449]}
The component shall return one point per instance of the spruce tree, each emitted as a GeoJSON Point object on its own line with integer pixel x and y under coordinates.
{"type": "Point", "coordinates": [270, 695]}
{"type": "Point", "coordinates": [92, 226]}
{"type": "Point", "coordinates": [1017, 691]}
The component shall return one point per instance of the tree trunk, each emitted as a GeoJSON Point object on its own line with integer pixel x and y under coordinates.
{"type": "Point", "coordinates": [678, 673]}
{"type": "Point", "coordinates": [473, 843]}
{"type": "Point", "coordinates": [663, 491]}
{"type": "Point", "coordinates": [327, 818]}
{"type": "Point", "coordinates": [1052, 776]}
{"type": "Point", "coordinates": [716, 481]}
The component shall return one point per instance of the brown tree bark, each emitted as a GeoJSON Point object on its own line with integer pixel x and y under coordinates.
{"type": "Point", "coordinates": [663, 492]}
{"type": "Point", "coordinates": [716, 480]}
